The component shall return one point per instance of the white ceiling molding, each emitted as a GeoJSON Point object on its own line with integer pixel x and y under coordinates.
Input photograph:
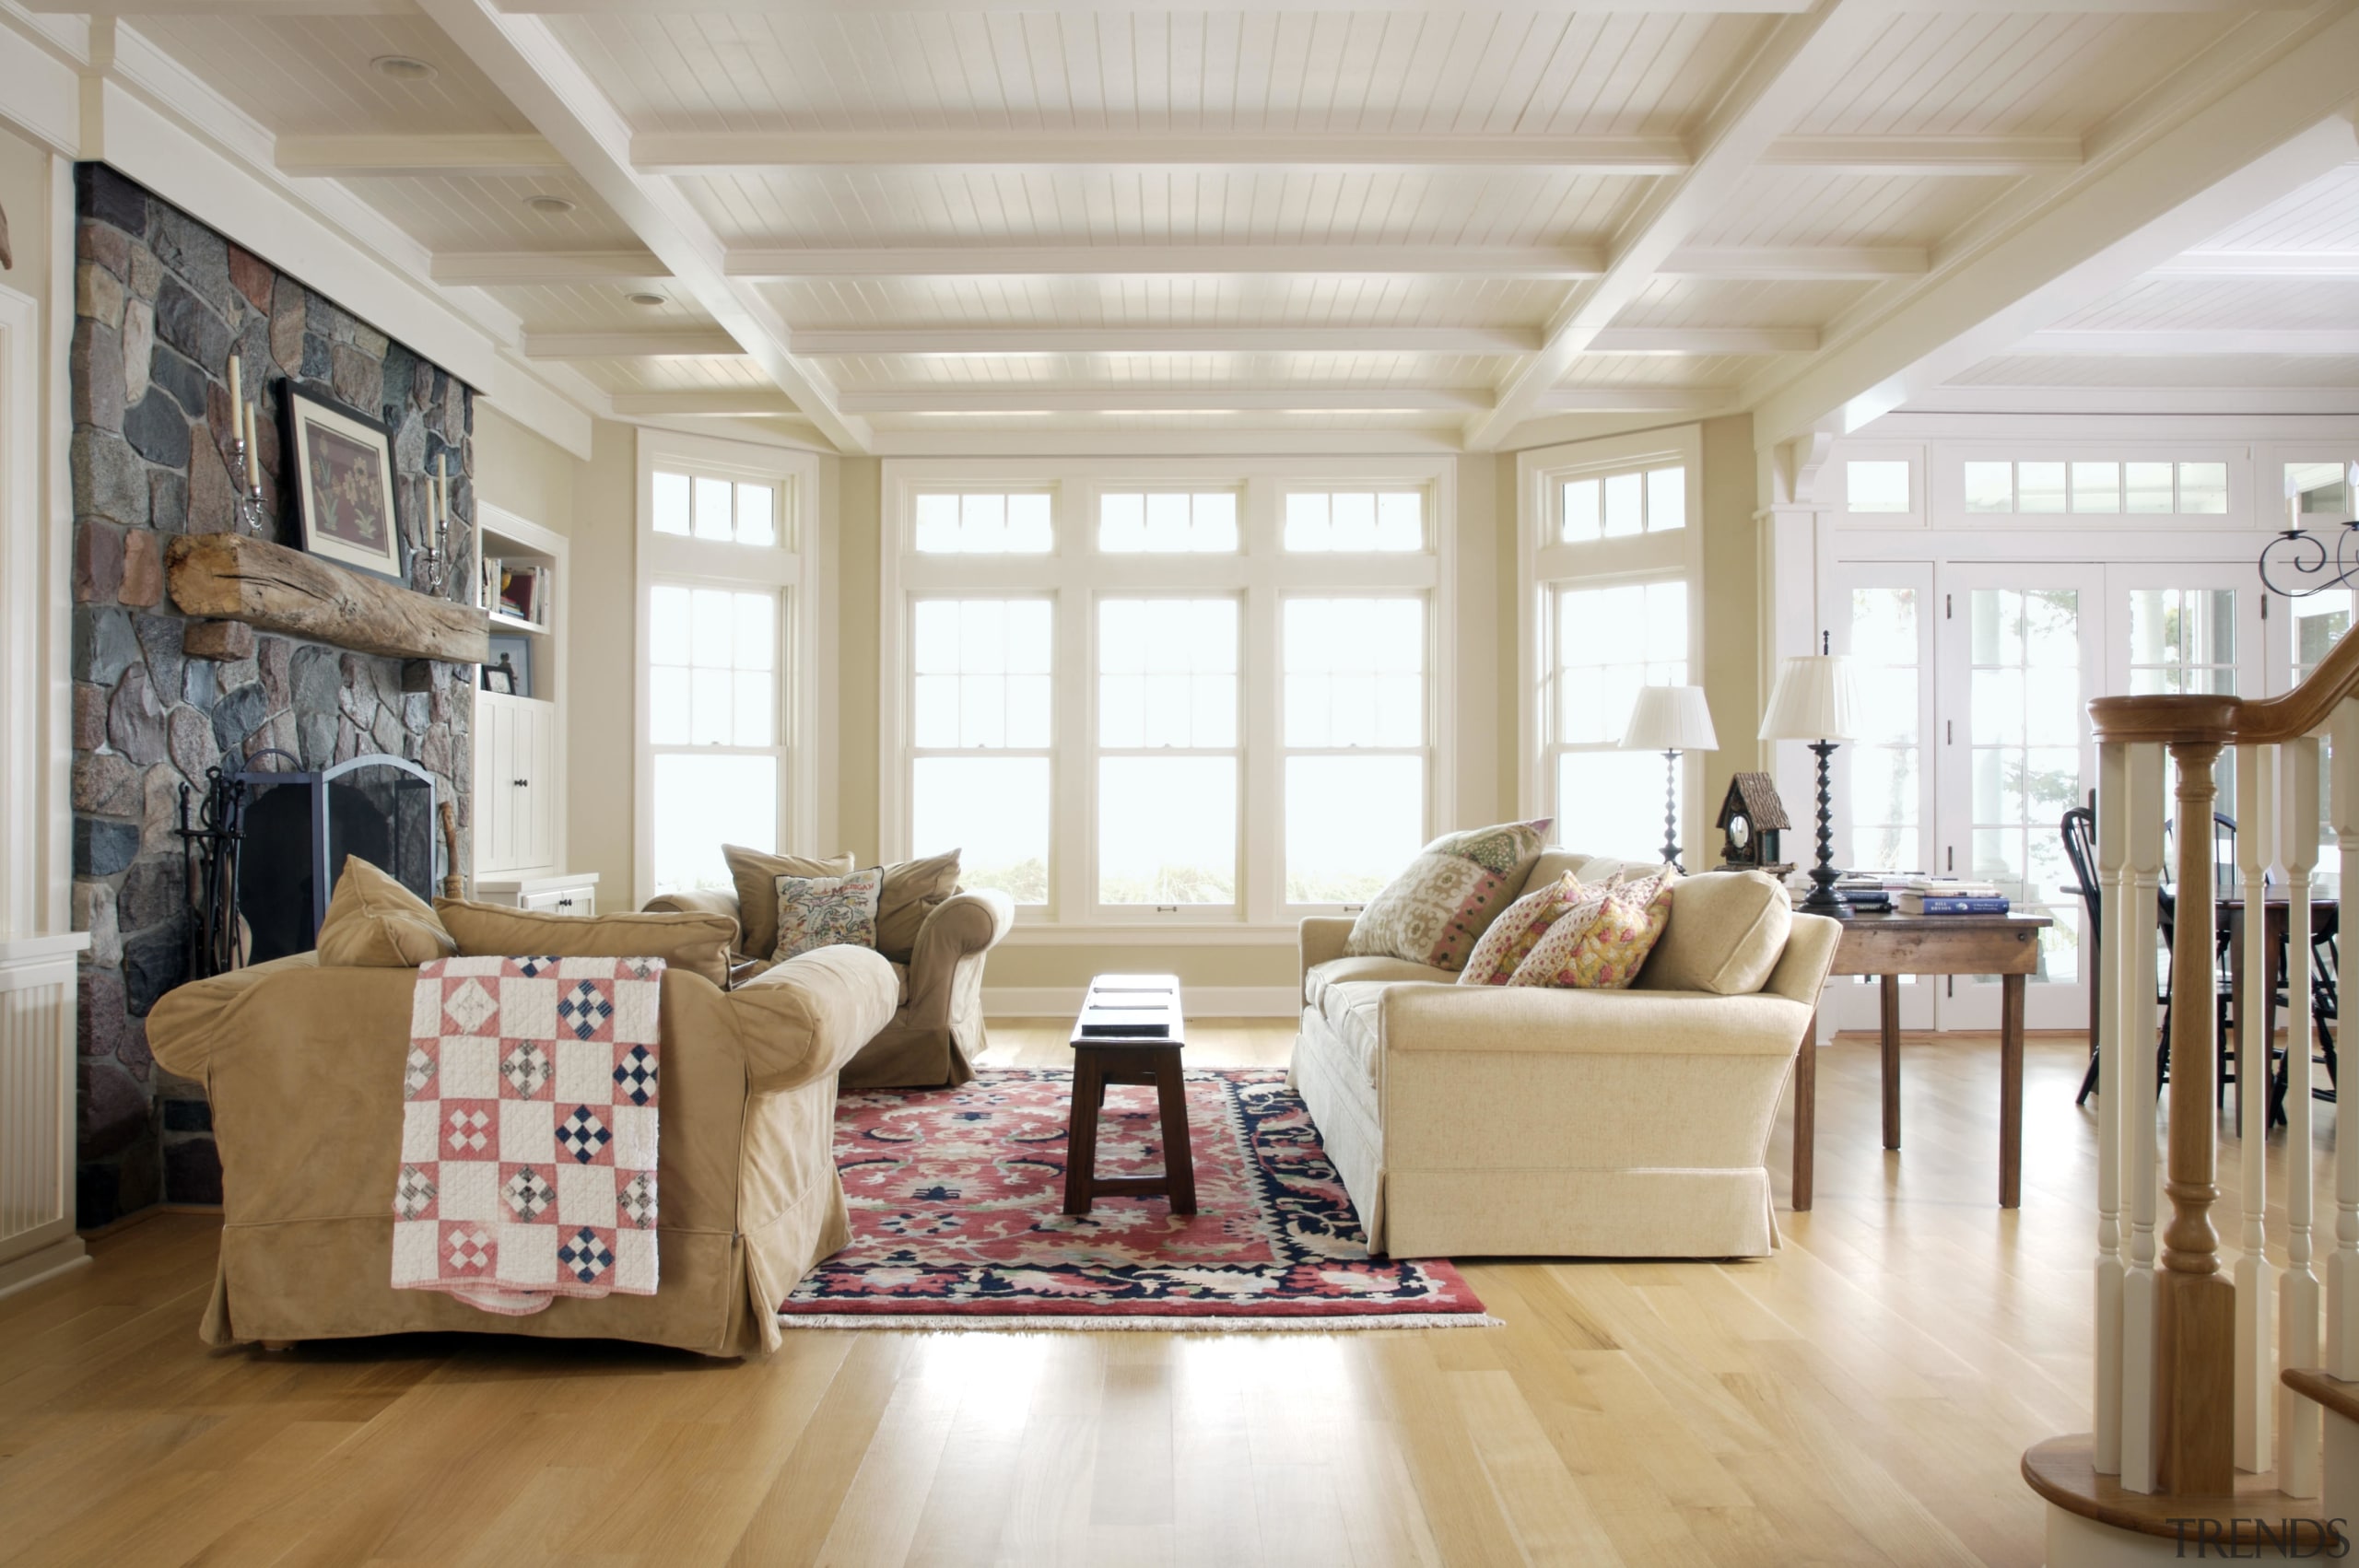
{"type": "Point", "coordinates": [743, 403]}
{"type": "Point", "coordinates": [2163, 342]}
{"type": "Point", "coordinates": [2205, 403]}
{"type": "Point", "coordinates": [683, 343]}
{"type": "Point", "coordinates": [525, 61]}
{"type": "Point", "coordinates": [943, 343]}
{"type": "Point", "coordinates": [2261, 264]}
{"type": "Point", "coordinates": [1790, 71]}
{"type": "Point", "coordinates": [1225, 399]}
{"type": "Point", "coordinates": [495, 269]}
{"type": "Point", "coordinates": [2142, 199]}
{"type": "Point", "coordinates": [1550, 264]}
{"type": "Point", "coordinates": [387, 158]}
{"type": "Point", "coordinates": [44, 96]}
{"type": "Point", "coordinates": [729, 152]}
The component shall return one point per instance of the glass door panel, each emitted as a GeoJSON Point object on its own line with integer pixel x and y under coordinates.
{"type": "Point", "coordinates": [1886, 617]}
{"type": "Point", "coordinates": [2020, 658]}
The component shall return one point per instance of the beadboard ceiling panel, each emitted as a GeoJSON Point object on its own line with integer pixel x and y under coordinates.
{"type": "Point", "coordinates": [473, 212]}
{"type": "Point", "coordinates": [312, 75]}
{"type": "Point", "coordinates": [2204, 370]}
{"type": "Point", "coordinates": [1178, 300]}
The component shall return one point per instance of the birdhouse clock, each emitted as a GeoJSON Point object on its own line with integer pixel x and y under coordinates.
{"type": "Point", "coordinates": [1752, 818]}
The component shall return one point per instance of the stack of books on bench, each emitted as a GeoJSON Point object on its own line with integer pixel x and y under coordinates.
{"type": "Point", "coordinates": [1140, 1008]}
{"type": "Point", "coordinates": [1948, 895]}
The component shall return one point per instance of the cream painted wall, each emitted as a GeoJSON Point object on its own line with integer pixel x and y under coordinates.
{"type": "Point", "coordinates": [35, 810]}
{"type": "Point", "coordinates": [24, 194]}
{"type": "Point", "coordinates": [857, 519]}
{"type": "Point", "coordinates": [530, 475]}
{"type": "Point", "coordinates": [601, 648]}
{"type": "Point", "coordinates": [1731, 678]}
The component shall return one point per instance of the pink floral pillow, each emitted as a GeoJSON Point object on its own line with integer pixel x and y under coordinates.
{"type": "Point", "coordinates": [1515, 933]}
{"type": "Point", "coordinates": [1603, 950]}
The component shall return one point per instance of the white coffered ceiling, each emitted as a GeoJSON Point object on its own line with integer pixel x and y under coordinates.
{"type": "Point", "coordinates": [886, 226]}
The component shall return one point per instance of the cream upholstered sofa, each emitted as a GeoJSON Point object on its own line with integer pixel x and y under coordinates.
{"type": "Point", "coordinates": [936, 1030]}
{"type": "Point", "coordinates": [1483, 1121]}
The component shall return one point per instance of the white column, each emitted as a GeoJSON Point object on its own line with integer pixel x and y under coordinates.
{"type": "Point", "coordinates": [2113, 1049]}
{"type": "Point", "coordinates": [2297, 1419]}
{"type": "Point", "coordinates": [2147, 805]}
{"type": "Point", "coordinates": [2343, 1268]}
{"type": "Point", "coordinates": [2256, 1280]}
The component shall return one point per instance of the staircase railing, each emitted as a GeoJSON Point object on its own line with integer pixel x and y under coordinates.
{"type": "Point", "coordinates": [2188, 1353]}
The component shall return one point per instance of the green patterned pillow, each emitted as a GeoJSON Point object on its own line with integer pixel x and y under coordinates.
{"type": "Point", "coordinates": [827, 912]}
{"type": "Point", "coordinates": [1434, 912]}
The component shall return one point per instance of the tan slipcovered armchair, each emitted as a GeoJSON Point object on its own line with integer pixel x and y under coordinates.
{"type": "Point", "coordinates": [1486, 1121]}
{"type": "Point", "coordinates": [302, 1062]}
{"type": "Point", "coordinates": [936, 1032]}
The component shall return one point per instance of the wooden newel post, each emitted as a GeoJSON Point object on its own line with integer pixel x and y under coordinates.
{"type": "Point", "coordinates": [2195, 1316]}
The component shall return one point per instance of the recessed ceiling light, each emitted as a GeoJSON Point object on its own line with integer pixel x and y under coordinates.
{"type": "Point", "coordinates": [643, 298]}
{"type": "Point", "coordinates": [402, 68]}
{"type": "Point", "coordinates": [550, 206]}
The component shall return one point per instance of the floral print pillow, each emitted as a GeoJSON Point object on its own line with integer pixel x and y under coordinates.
{"type": "Point", "coordinates": [1602, 948]}
{"type": "Point", "coordinates": [1514, 934]}
{"type": "Point", "coordinates": [1434, 912]}
{"type": "Point", "coordinates": [828, 911]}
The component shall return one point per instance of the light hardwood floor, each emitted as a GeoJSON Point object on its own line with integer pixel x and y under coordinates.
{"type": "Point", "coordinates": [1861, 1398]}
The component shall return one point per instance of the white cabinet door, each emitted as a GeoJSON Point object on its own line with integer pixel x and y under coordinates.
{"type": "Point", "coordinates": [536, 834]}
{"type": "Point", "coordinates": [491, 802]}
{"type": "Point", "coordinates": [580, 900]}
{"type": "Point", "coordinates": [516, 784]}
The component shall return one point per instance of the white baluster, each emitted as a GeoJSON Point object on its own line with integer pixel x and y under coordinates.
{"type": "Point", "coordinates": [2114, 1050]}
{"type": "Point", "coordinates": [2256, 1280]}
{"type": "Point", "coordinates": [2298, 1434]}
{"type": "Point", "coordinates": [2342, 1269]}
{"type": "Point", "coordinates": [2143, 844]}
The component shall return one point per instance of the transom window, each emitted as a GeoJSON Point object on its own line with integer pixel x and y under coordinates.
{"type": "Point", "coordinates": [2050, 486]}
{"type": "Point", "coordinates": [704, 506]}
{"type": "Point", "coordinates": [980, 522]}
{"type": "Point", "coordinates": [1210, 701]}
{"type": "Point", "coordinates": [1166, 522]}
{"type": "Point", "coordinates": [1613, 506]}
{"type": "Point", "coordinates": [1877, 485]}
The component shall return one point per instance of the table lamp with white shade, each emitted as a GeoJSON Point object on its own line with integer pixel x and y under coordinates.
{"type": "Point", "coordinates": [1815, 700]}
{"type": "Point", "coordinates": [1669, 720]}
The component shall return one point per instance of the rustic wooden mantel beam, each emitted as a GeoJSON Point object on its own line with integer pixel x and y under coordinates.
{"type": "Point", "coordinates": [229, 577]}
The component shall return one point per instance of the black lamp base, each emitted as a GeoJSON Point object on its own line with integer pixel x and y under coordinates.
{"type": "Point", "coordinates": [1823, 899]}
{"type": "Point", "coordinates": [1671, 813]}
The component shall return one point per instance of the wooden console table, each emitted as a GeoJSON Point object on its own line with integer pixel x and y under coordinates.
{"type": "Point", "coordinates": [1894, 945]}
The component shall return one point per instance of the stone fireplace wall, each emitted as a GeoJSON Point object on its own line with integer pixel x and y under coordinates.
{"type": "Point", "coordinates": [161, 302]}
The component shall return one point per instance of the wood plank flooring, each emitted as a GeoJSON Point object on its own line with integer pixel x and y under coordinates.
{"type": "Point", "coordinates": [1861, 1398]}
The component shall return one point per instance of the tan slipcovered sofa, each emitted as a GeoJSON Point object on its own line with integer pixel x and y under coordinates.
{"type": "Point", "coordinates": [1483, 1121]}
{"type": "Point", "coordinates": [303, 1061]}
{"type": "Point", "coordinates": [936, 1030]}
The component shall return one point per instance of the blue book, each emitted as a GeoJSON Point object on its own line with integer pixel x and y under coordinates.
{"type": "Point", "coordinates": [1930, 905]}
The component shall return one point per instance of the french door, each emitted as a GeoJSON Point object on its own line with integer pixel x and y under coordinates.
{"type": "Point", "coordinates": [1974, 685]}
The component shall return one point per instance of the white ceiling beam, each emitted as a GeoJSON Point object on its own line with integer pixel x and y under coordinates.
{"type": "Point", "coordinates": [821, 8]}
{"type": "Point", "coordinates": [1542, 262]}
{"type": "Point", "coordinates": [983, 342]}
{"type": "Point", "coordinates": [679, 342]}
{"type": "Point", "coordinates": [1790, 71]}
{"type": "Point", "coordinates": [734, 152]}
{"type": "Point", "coordinates": [2261, 264]}
{"type": "Point", "coordinates": [747, 402]}
{"type": "Point", "coordinates": [2253, 126]}
{"type": "Point", "coordinates": [2208, 404]}
{"type": "Point", "coordinates": [2163, 342]}
{"type": "Point", "coordinates": [525, 60]}
{"type": "Point", "coordinates": [495, 269]}
{"type": "Point", "coordinates": [388, 158]}
{"type": "Point", "coordinates": [1128, 399]}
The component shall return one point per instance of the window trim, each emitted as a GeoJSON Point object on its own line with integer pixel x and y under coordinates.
{"type": "Point", "coordinates": [1261, 573]}
{"type": "Point", "coordinates": [1545, 566]}
{"type": "Point", "coordinates": [789, 569]}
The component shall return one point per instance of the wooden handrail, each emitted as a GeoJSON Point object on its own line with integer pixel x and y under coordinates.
{"type": "Point", "coordinates": [2228, 720]}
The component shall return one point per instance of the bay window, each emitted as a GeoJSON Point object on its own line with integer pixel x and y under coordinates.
{"type": "Point", "coordinates": [1203, 692]}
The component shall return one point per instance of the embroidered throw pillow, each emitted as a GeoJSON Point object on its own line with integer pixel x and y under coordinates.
{"type": "Point", "coordinates": [827, 912]}
{"type": "Point", "coordinates": [1514, 934]}
{"type": "Point", "coordinates": [1602, 949]}
{"type": "Point", "coordinates": [1433, 912]}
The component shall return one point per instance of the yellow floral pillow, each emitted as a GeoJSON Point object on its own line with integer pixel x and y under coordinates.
{"type": "Point", "coordinates": [1606, 949]}
{"type": "Point", "coordinates": [1516, 932]}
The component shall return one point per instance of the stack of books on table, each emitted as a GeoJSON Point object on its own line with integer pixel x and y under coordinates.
{"type": "Point", "coordinates": [1866, 892]}
{"type": "Point", "coordinates": [1948, 895]}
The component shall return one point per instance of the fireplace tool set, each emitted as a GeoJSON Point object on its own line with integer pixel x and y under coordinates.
{"type": "Point", "coordinates": [209, 856]}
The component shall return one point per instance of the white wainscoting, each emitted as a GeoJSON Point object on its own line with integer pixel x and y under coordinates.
{"type": "Point", "coordinates": [1009, 1003]}
{"type": "Point", "coordinates": [37, 1235]}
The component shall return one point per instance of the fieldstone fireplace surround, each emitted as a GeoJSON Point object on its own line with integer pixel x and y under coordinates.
{"type": "Point", "coordinates": [161, 302]}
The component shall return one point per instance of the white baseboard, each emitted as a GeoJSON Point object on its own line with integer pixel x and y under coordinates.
{"type": "Point", "coordinates": [19, 1273]}
{"type": "Point", "coordinates": [1201, 1001]}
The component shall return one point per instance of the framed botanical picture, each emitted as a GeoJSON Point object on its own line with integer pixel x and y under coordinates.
{"type": "Point", "coordinates": [344, 484]}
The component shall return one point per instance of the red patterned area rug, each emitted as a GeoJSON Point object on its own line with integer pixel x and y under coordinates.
{"type": "Point", "coordinates": [956, 1197]}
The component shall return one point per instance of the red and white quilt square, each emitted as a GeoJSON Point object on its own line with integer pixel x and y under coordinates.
{"type": "Point", "coordinates": [470, 1129]}
{"type": "Point", "coordinates": [585, 1072]}
{"type": "Point", "coordinates": [586, 1254]}
{"type": "Point", "coordinates": [586, 1194]}
{"type": "Point", "coordinates": [528, 1257]}
{"type": "Point", "coordinates": [470, 1005]}
{"type": "Point", "coordinates": [636, 1074]}
{"type": "Point", "coordinates": [584, 1136]}
{"type": "Point", "coordinates": [527, 1070]}
{"type": "Point", "coordinates": [470, 1069]}
{"type": "Point", "coordinates": [469, 1249]}
{"type": "Point", "coordinates": [527, 1008]}
{"type": "Point", "coordinates": [467, 1189]}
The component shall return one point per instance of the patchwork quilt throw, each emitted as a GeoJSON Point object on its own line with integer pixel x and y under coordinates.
{"type": "Point", "coordinates": [529, 1105]}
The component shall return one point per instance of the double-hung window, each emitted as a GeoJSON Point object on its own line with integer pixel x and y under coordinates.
{"type": "Point", "coordinates": [1610, 567]}
{"type": "Point", "coordinates": [721, 566]}
{"type": "Point", "coordinates": [1200, 692]}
